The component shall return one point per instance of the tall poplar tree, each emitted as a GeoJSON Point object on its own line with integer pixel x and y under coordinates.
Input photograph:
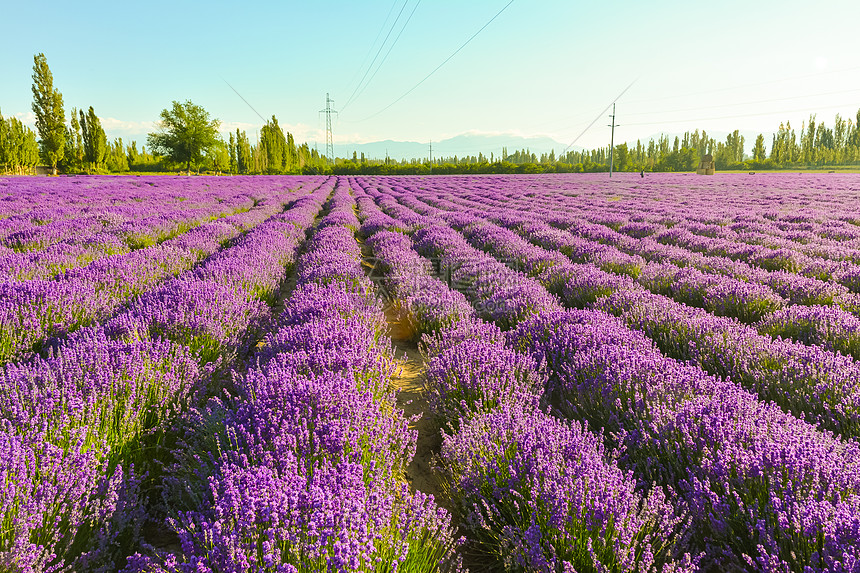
{"type": "Point", "coordinates": [94, 138]}
{"type": "Point", "coordinates": [854, 137]}
{"type": "Point", "coordinates": [73, 157]}
{"type": "Point", "coordinates": [275, 144]}
{"type": "Point", "coordinates": [5, 145]}
{"type": "Point", "coordinates": [290, 153]}
{"type": "Point", "coordinates": [50, 117]}
{"type": "Point", "coordinates": [244, 158]}
{"type": "Point", "coordinates": [231, 149]}
{"type": "Point", "coordinates": [19, 151]}
{"type": "Point", "coordinates": [759, 152]}
{"type": "Point", "coordinates": [115, 158]}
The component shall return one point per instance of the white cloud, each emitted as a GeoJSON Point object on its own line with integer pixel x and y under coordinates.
{"type": "Point", "coordinates": [28, 118]}
{"type": "Point", "coordinates": [113, 125]}
{"type": "Point", "coordinates": [121, 127]}
{"type": "Point", "coordinates": [303, 133]}
{"type": "Point", "coordinates": [232, 126]}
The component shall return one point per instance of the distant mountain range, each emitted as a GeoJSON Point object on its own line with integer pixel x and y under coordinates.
{"type": "Point", "coordinates": [461, 146]}
{"type": "Point", "coordinates": [472, 144]}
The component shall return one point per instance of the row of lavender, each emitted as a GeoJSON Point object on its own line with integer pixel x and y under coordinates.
{"type": "Point", "coordinates": [765, 489]}
{"type": "Point", "coordinates": [804, 215]}
{"type": "Point", "coordinates": [727, 348]}
{"type": "Point", "coordinates": [38, 212]}
{"type": "Point", "coordinates": [85, 429]}
{"type": "Point", "coordinates": [706, 281]}
{"type": "Point", "coordinates": [762, 489]}
{"type": "Point", "coordinates": [823, 383]}
{"type": "Point", "coordinates": [530, 491]}
{"type": "Point", "coordinates": [133, 224]}
{"type": "Point", "coordinates": [27, 202]}
{"type": "Point", "coordinates": [33, 311]}
{"type": "Point", "coordinates": [308, 470]}
{"type": "Point", "coordinates": [718, 283]}
{"type": "Point", "coordinates": [91, 241]}
{"type": "Point", "coordinates": [117, 218]}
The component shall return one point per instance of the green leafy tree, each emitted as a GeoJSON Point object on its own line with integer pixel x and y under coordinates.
{"type": "Point", "coordinates": [244, 157]}
{"type": "Point", "coordinates": [140, 159]}
{"type": "Point", "coordinates": [854, 136]}
{"type": "Point", "coordinates": [50, 117]}
{"type": "Point", "coordinates": [28, 152]}
{"type": "Point", "coordinates": [5, 144]}
{"type": "Point", "coordinates": [274, 143]}
{"type": "Point", "coordinates": [622, 157]}
{"type": "Point", "coordinates": [840, 131]}
{"type": "Point", "coordinates": [67, 163]}
{"type": "Point", "coordinates": [807, 141]}
{"type": "Point", "coordinates": [78, 145]}
{"type": "Point", "coordinates": [759, 152]}
{"type": "Point", "coordinates": [309, 160]}
{"type": "Point", "coordinates": [19, 150]}
{"type": "Point", "coordinates": [219, 155]}
{"type": "Point", "coordinates": [74, 153]}
{"type": "Point", "coordinates": [777, 146]}
{"type": "Point", "coordinates": [116, 160]}
{"type": "Point", "coordinates": [291, 155]}
{"type": "Point", "coordinates": [185, 134]}
{"type": "Point", "coordinates": [132, 154]}
{"type": "Point", "coordinates": [94, 139]}
{"type": "Point", "coordinates": [231, 150]}
{"type": "Point", "coordinates": [731, 153]}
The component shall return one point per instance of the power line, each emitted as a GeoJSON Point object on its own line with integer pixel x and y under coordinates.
{"type": "Point", "coordinates": [445, 61]}
{"type": "Point", "coordinates": [599, 116]}
{"type": "Point", "coordinates": [705, 92]}
{"type": "Point", "coordinates": [370, 49]}
{"type": "Point", "coordinates": [244, 100]}
{"type": "Point", "coordinates": [759, 114]}
{"type": "Point", "coordinates": [560, 127]}
{"type": "Point", "coordinates": [385, 57]}
{"type": "Point", "coordinates": [382, 45]}
{"type": "Point", "coordinates": [743, 86]}
{"type": "Point", "coordinates": [690, 120]}
{"type": "Point", "coordinates": [746, 103]}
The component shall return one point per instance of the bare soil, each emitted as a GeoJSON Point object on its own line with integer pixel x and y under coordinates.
{"type": "Point", "coordinates": [409, 382]}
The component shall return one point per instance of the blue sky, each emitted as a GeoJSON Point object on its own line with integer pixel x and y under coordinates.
{"type": "Point", "coordinates": [540, 68]}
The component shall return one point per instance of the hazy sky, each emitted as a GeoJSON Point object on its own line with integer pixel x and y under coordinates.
{"type": "Point", "coordinates": [540, 68]}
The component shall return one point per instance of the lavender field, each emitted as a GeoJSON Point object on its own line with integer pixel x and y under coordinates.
{"type": "Point", "coordinates": [627, 374]}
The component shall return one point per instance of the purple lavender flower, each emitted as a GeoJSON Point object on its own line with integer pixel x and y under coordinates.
{"type": "Point", "coordinates": [828, 327]}
{"type": "Point", "coordinates": [537, 494]}
{"type": "Point", "coordinates": [477, 376]}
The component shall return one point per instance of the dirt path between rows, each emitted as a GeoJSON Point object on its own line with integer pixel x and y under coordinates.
{"type": "Point", "coordinates": [409, 382]}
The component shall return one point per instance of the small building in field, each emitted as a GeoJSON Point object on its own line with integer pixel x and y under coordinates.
{"type": "Point", "coordinates": [706, 165]}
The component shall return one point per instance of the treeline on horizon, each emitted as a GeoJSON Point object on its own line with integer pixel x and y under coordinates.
{"type": "Point", "coordinates": [817, 145]}
{"type": "Point", "coordinates": [81, 146]}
